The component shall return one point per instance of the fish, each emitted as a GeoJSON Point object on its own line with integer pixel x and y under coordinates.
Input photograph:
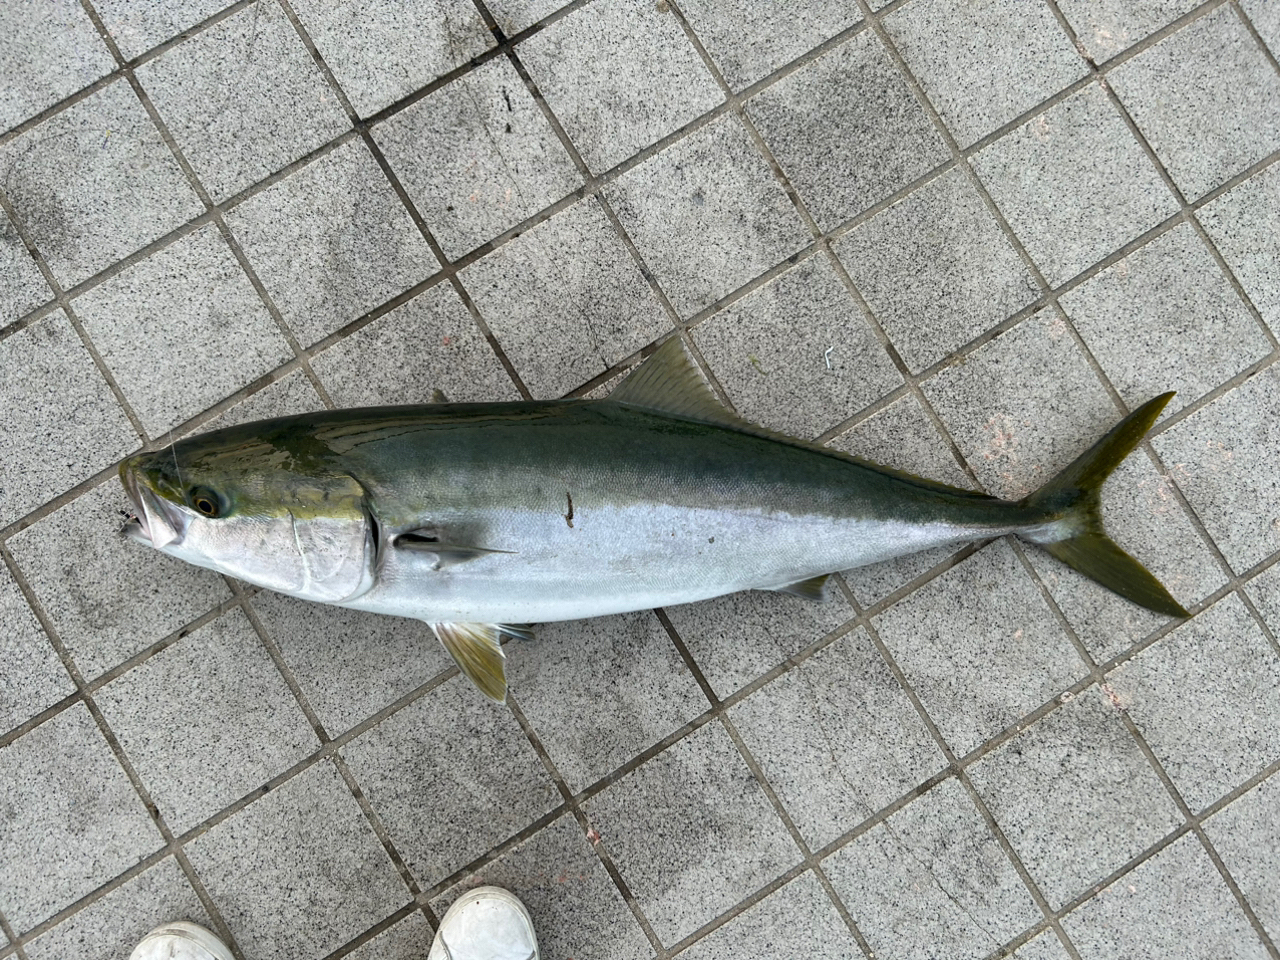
{"type": "Point", "coordinates": [483, 518]}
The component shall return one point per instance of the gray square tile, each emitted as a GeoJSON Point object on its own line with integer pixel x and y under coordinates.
{"type": "Point", "coordinates": [936, 269]}
{"type": "Point", "coordinates": [796, 355]}
{"type": "Point", "coordinates": [847, 130]}
{"type": "Point", "coordinates": [1144, 516]}
{"type": "Point", "coordinates": [736, 220]}
{"type": "Point", "coordinates": [407, 939]}
{"type": "Point", "coordinates": [932, 881]}
{"type": "Point", "coordinates": [1047, 946]}
{"type": "Point", "coordinates": [427, 344]}
{"type": "Point", "coordinates": [22, 286]}
{"type": "Point", "coordinates": [477, 157]}
{"type": "Point", "coordinates": [33, 677]}
{"type": "Point", "coordinates": [213, 701]}
{"type": "Point", "coordinates": [50, 50]}
{"type": "Point", "coordinates": [1075, 796]}
{"type": "Point", "coordinates": [331, 241]}
{"type": "Point", "coordinates": [837, 738]}
{"type": "Point", "coordinates": [736, 638]}
{"type": "Point", "coordinates": [1207, 100]}
{"type": "Point", "coordinates": [566, 300]}
{"type": "Point", "coordinates": [619, 75]}
{"type": "Point", "coordinates": [903, 437]}
{"type": "Point", "coordinates": [299, 872]}
{"type": "Point", "coordinates": [139, 25]}
{"type": "Point", "coordinates": [1247, 837]}
{"type": "Point", "coordinates": [1165, 318]}
{"type": "Point", "coordinates": [72, 820]}
{"type": "Point", "coordinates": [696, 797]}
{"type": "Point", "coordinates": [984, 63]}
{"type": "Point", "coordinates": [95, 183]}
{"type": "Point", "coordinates": [749, 40]}
{"type": "Point", "coordinates": [243, 98]}
{"type": "Point", "coordinates": [1108, 27]}
{"type": "Point", "coordinates": [1174, 904]}
{"type": "Point", "coordinates": [61, 424]}
{"type": "Point", "coordinates": [1264, 591]}
{"type": "Point", "coordinates": [451, 776]}
{"type": "Point", "coordinates": [1245, 226]}
{"type": "Point", "coordinates": [980, 647]}
{"type": "Point", "coordinates": [197, 312]}
{"type": "Point", "coordinates": [1265, 17]}
{"type": "Point", "coordinates": [350, 664]}
{"type": "Point", "coordinates": [1223, 457]}
{"type": "Point", "coordinates": [1207, 699]}
{"type": "Point", "coordinates": [109, 928]}
{"type": "Point", "coordinates": [576, 909]}
{"type": "Point", "coordinates": [1022, 406]}
{"type": "Point", "coordinates": [1093, 188]}
{"type": "Point", "coordinates": [796, 922]}
{"type": "Point", "coordinates": [285, 397]}
{"type": "Point", "coordinates": [92, 582]}
{"type": "Point", "coordinates": [600, 691]}
{"type": "Point", "coordinates": [512, 16]}
{"type": "Point", "coordinates": [380, 52]}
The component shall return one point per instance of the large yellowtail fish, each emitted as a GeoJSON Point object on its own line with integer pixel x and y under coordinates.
{"type": "Point", "coordinates": [479, 517]}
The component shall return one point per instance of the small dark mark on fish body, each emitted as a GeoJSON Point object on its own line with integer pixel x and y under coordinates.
{"type": "Point", "coordinates": [568, 517]}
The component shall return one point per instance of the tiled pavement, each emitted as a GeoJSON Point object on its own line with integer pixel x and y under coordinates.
{"type": "Point", "coordinates": [959, 236]}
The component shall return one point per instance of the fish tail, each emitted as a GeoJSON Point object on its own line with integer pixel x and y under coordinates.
{"type": "Point", "coordinates": [1075, 534]}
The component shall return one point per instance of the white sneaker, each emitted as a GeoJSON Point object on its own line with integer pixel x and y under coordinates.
{"type": "Point", "coordinates": [487, 923]}
{"type": "Point", "coordinates": [181, 941]}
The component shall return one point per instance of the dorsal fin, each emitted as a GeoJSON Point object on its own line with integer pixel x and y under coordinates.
{"type": "Point", "coordinates": [670, 382]}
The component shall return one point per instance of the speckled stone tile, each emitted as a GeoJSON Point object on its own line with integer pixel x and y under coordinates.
{"type": "Point", "coordinates": [737, 220]}
{"type": "Point", "coordinates": [1265, 18]}
{"type": "Point", "coordinates": [49, 51]}
{"type": "Point", "coordinates": [980, 647]}
{"type": "Point", "coordinates": [936, 269]}
{"type": "Point", "coordinates": [94, 183]}
{"type": "Point", "coordinates": [566, 300]}
{"type": "Point", "coordinates": [243, 98]}
{"type": "Point", "coordinates": [847, 130]}
{"type": "Point", "coordinates": [698, 797]}
{"type": "Point", "coordinates": [837, 738]}
{"type": "Point", "coordinates": [796, 922]}
{"type": "Point", "coordinates": [931, 881]}
{"type": "Point", "coordinates": [382, 52]}
{"type": "Point", "coordinates": [211, 701]}
{"type": "Point", "coordinates": [796, 355]}
{"type": "Point", "coordinates": [200, 315]}
{"type": "Point", "coordinates": [1206, 98]}
{"type": "Point", "coordinates": [108, 597]}
{"type": "Point", "coordinates": [1047, 946]}
{"type": "Point", "coordinates": [1109, 27]}
{"type": "Point", "coordinates": [137, 26]}
{"type": "Point", "coordinates": [1223, 457]}
{"type": "Point", "coordinates": [72, 819]}
{"type": "Point", "coordinates": [298, 872]}
{"type": "Point", "coordinates": [576, 910]}
{"type": "Point", "coordinates": [291, 394]}
{"type": "Point", "coordinates": [407, 939]}
{"type": "Point", "coordinates": [1264, 591]}
{"type": "Point", "coordinates": [984, 63]}
{"type": "Point", "coordinates": [331, 241]}
{"type": "Point", "coordinates": [619, 75]}
{"type": "Point", "coordinates": [749, 40]}
{"type": "Point", "coordinates": [1246, 835]}
{"type": "Point", "coordinates": [1174, 904]}
{"type": "Point", "coordinates": [33, 677]}
{"type": "Point", "coordinates": [1094, 188]}
{"type": "Point", "coordinates": [450, 776]}
{"type": "Point", "coordinates": [600, 691]}
{"type": "Point", "coordinates": [477, 156]}
{"type": "Point", "coordinates": [1207, 699]}
{"type": "Point", "coordinates": [1244, 224]}
{"type": "Point", "coordinates": [1075, 796]}
{"type": "Point", "coordinates": [62, 424]}
{"type": "Point", "coordinates": [22, 286]}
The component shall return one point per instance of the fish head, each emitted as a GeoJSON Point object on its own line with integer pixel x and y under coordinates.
{"type": "Point", "coordinates": [261, 503]}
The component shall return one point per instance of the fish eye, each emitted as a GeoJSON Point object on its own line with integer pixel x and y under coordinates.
{"type": "Point", "coordinates": [205, 502]}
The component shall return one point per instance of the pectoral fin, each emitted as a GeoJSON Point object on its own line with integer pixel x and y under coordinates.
{"type": "Point", "coordinates": [475, 649]}
{"type": "Point", "coordinates": [426, 541]}
{"type": "Point", "coordinates": [815, 588]}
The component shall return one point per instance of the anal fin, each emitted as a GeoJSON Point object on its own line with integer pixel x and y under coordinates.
{"type": "Point", "coordinates": [477, 650]}
{"type": "Point", "coordinates": [815, 588]}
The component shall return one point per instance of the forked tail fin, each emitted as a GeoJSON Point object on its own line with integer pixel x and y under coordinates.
{"type": "Point", "coordinates": [1074, 496]}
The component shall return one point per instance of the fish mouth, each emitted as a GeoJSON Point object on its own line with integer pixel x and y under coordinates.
{"type": "Point", "coordinates": [154, 522]}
